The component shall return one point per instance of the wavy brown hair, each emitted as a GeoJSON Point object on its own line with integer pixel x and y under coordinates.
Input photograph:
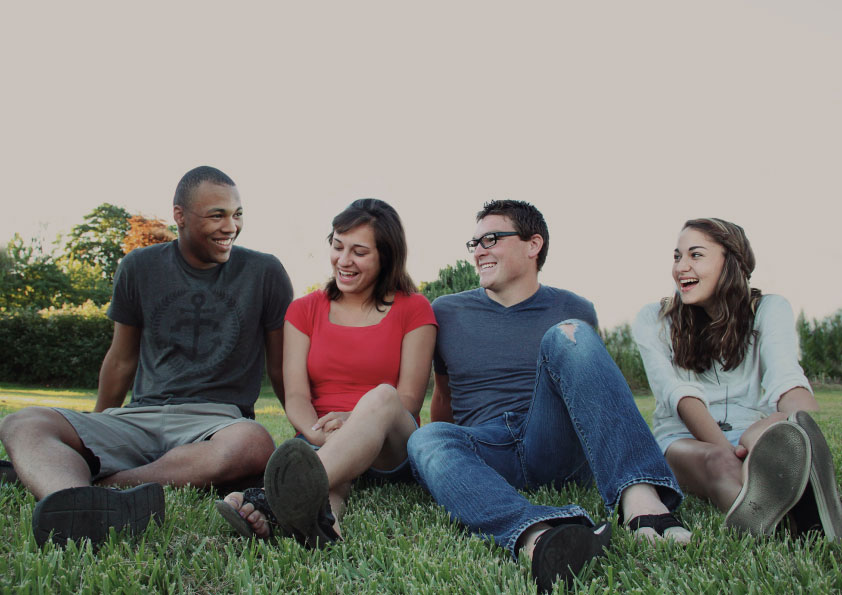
{"type": "Point", "coordinates": [700, 339]}
{"type": "Point", "coordinates": [390, 240]}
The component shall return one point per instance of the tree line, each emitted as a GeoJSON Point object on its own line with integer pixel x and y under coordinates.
{"type": "Point", "coordinates": [54, 331]}
{"type": "Point", "coordinates": [78, 268]}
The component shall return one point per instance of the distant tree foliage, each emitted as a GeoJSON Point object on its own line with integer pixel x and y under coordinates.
{"type": "Point", "coordinates": [98, 240]}
{"type": "Point", "coordinates": [30, 277]}
{"type": "Point", "coordinates": [146, 232]}
{"type": "Point", "coordinates": [452, 279]}
{"type": "Point", "coordinates": [821, 347]}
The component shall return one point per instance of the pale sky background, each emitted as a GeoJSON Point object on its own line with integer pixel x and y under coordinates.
{"type": "Point", "coordinates": [619, 120]}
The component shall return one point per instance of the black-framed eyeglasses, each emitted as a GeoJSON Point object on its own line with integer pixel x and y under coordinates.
{"type": "Point", "coordinates": [488, 240]}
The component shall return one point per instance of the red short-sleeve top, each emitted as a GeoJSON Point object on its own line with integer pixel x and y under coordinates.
{"type": "Point", "coordinates": [345, 362]}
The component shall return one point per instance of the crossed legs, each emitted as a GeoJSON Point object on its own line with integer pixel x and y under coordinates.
{"type": "Point", "coordinates": [374, 435]}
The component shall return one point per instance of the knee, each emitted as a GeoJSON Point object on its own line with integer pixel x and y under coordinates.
{"type": "Point", "coordinates": [246, 448]}
{"type": "Point", "coordinates": [32, 420]}
{"type": "Point", "coordinates": [569, 337]}
{"type": "Point", "coordinates": [427, 443]}
{"type": "Point", "coordinates": [381, 400]}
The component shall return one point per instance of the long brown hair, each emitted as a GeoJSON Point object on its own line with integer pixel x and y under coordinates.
{"type": "Point", "coordinates": [390, 240]}
{"type": "Point", "coordinates": [699, 339]}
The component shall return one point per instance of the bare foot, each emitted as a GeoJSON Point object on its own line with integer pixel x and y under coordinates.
{"type": "Point", "coordinates": [642, 499]}
{"type": "Point", "coordinates": [255, 518]}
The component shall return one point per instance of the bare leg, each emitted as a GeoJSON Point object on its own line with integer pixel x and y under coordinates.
{"type": "Point", "coordinates": [706, 470]}
{"type": "Point", "coordinates": [46, 451]}
{"type": "Point", "coordinates": [375, 435]}
{"type": "Point", "coordinates": [234, 452]}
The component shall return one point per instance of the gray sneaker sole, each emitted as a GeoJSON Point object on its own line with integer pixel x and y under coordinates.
{"type": "Point", "coordinates": [778, 470]}
{"type": "Point", "coordinates": [822, 477]}
{"type": "Point", "coordinates": [91, 512]}
{"type": "Point", "coordinates": [297, 489]}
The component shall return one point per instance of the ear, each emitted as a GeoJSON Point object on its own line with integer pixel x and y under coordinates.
{"type": "Point", "coordinates": [178, 216]}
{"type": "Point", "coordinates": [536, 242]}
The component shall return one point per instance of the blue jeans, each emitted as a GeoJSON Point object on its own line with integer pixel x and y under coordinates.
{"type": "Point", "coordinates": [582, 425]}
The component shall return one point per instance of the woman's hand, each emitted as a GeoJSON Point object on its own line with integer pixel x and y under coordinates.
{"type": "Point", "coordinates": [331, 422]}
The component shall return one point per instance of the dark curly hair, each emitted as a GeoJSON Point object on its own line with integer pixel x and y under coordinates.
{"type": "Point", "coordinates": [724, 335]}
{"type": "Point", "coordinates": [390, 240]}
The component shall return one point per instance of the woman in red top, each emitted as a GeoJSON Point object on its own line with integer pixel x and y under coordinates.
{"type": "Point", "coordinates": [357, 359]}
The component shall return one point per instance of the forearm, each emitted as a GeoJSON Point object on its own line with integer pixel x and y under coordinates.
{"type": "Point", "coordinates": [440, 408]}
{"type": "Point", "coordinates": [114, 382]}
{"type": "Point", "coordinates": [302, 415]}
{"type": "Point", "coordinates": [699, 421]}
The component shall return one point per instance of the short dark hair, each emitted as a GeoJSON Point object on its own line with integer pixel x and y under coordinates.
{"type": "Point", "coordinates": [192, 179]}
{"type": "Point", "coordinates": [390, 241]}
{"type": "Point", "coordinates": [526, 219]}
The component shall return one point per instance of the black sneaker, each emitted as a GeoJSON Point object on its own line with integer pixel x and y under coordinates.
{"type": "Point", "coordinates": [7, 472]}
{"type": "Point", "coordinates": [90, 512]}
{"type": "Point", "coordinates": [819, 507]}
{"type": "Point", "coordinates": [561, 552]}
{"type": "Point", "coordinates": [297, 490]}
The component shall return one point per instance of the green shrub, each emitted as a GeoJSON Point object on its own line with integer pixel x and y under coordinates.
{"type": "Point", "coordinates": [55, 346]}
{"type": "Point", "coordinates": [622, 348]}
{"type": "Point", "coordinates": [821, 348]}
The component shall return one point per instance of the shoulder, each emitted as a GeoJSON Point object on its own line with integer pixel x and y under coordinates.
{"type": "Point", "coordinates": [649, 314]}
{"type": "Point", "coordinates": [150, 254]}
{"type": "Point", "coordinates": [256, 258]}
{"type": "Point", "coordinates": [773, 308]}
{"type": "Point", "coordinates": [312, 300]}
{"type": "Point", "coordinates": [415, 301]}
{"type": "Point", "coordinates": [563, 296]}
{"type": "Point", "coordinates": [457, 299]}
{"type": "Point", "coordinates": [571, 304]}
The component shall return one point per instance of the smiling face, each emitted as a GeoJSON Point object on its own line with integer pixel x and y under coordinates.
{"type": "Point", "coordinates": [509, 266]}
{"type": "Point", "coordinates": [697, 267]}
{"type": "Point", "coordinates": [355, 260]}
{"type": "Point", "coordinates": [209, 224]}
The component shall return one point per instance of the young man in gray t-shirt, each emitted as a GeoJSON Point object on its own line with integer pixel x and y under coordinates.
{"type": "Point", "coordinates": [526, 395]}
{"type": "Point", "coordinates": [193, 321]}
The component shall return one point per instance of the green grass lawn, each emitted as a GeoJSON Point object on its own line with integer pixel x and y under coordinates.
{"type": "Point", "coordinates": [396, 540]}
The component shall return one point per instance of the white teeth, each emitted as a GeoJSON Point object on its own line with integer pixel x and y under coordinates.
{"type": "Point", "coordinates": [687, 281]}
{"type": "Point", "coordinates": [486, 265]}
{"type": "Point", "coordinates": [224, 243]}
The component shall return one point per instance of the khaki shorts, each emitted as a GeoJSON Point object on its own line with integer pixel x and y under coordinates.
{"type": "Point", "coordinates": [128, 437]}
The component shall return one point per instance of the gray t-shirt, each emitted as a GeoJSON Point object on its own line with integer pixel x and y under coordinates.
{"type": "Point", "coordinates": [202, 337]}
{"type": "Point", "coordinates": [490, 352]}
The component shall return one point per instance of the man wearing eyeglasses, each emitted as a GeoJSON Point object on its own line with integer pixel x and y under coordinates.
{"type": "Point", "coordinates": [502, 424]}
{"type": "Point", "coordinates": [192, 321]}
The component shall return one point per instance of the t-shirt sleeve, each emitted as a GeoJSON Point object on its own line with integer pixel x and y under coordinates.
{"type": "Point", "coordinates": [301, 312]}
{"type": "Point", "coordinates": [778, 345]}
{"type": "Point", "coordinates": [668, 384]}
{"type": "Point", "coordinates": [125, 303]}
{"type": "Point", "coordinates": [277, 295]}
{"type": "Point", "coordinates": [417, 313]}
